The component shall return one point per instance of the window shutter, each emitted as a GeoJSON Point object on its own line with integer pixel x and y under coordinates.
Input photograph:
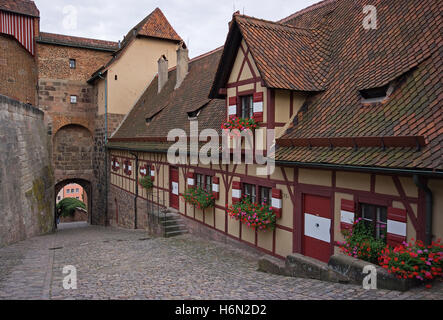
{"type": "Point", "coordinates": [277, 202]}
{"type": "Point", "coordinates": [232, 108]}
{"type": "Point", "coordinates": [397, 219]}
{"type": "Point", "coordinates": [236, 192]}
{"type": "Point", "coordinates": [191, 179]}
{"type": "Point", "coordinates": [152, 168]}
{"type": "Point", "coordinates": [144, 171]}
{"type": "Point", "coordinates": [216, 187]}
{"type": "Point", "coordinates": [239, 107]}
{"type": "Point", "coordinates": [347, 214]}
{"type": "Point", "coordinates": [258, 106]}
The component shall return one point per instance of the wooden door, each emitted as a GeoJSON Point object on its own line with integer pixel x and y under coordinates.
{"type": "Point", "coordinates": [317, 227]}
{"type": "Point", "coordinates": [174, 194]}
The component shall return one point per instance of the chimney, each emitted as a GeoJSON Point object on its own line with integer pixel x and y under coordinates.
{"type": "Point", "coordinates": [162, 72]}
{"type": "Point", "coordinates": [182, 64]}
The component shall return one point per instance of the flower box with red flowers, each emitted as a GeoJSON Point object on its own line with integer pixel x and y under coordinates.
{"type": "Point", "coordinates": [199, 198]}
{"type": "Point", "coordinates": [240, 124]}
{"type": "Point", "coordinates": [253, 215]}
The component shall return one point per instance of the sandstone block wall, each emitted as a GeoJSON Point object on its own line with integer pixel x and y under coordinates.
{"type": "Point", "coordinates": [26, 175]}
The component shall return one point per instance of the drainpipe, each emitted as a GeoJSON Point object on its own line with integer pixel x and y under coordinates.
{"type": "Point", "coordinates": [429, 208]}
{"type": "Point", "coordinates": [106, 151]}
{"type": "Point", "coordinates": [136, 189]}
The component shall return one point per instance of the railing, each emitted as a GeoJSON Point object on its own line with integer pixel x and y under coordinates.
{"type": "Point", "coordinates": [156, 209]}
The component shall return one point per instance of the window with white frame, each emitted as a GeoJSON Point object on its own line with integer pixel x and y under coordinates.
{"type": "Point", "coordinates": [73, 99]}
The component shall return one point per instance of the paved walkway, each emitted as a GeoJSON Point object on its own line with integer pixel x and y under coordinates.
{"type": "Point", "coordinates": [123, 264]}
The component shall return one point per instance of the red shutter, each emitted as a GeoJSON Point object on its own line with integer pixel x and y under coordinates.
{"type": "Point", "coordinates": [236, 192]}
{"type": "Point", "coordinates": [238, 107]}
{"type": "Point", "coordinates": [347, 214]}
{"type": "Point", "coordinates": [397, 224]}
{"type": "Point", "coordinates": [216, 184]}
{"type": "Point", "coordinates": [277, 202]}
{"type": "Point", "coordinates": [232, 102]}
{"type": "Point", "coordinates": [191, 179]}
{"type": "Point", "coordinates": [258, 106]}
{"type": "Point", "coordinates": [152, 173]}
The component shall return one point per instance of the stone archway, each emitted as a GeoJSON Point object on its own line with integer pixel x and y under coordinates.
{"type": "Point", "coordinates": [73, 148]}
{"type": "Point", "coordinates": [87, 187]}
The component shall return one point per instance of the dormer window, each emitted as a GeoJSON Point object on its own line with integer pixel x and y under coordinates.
{"type": "Point", "coordinates": [194, 115]}
{"type": "Point", "coordinates": [378, 94]}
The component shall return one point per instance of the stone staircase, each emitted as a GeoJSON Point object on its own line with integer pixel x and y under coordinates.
{"type": "Point", "coordinates": [172, 225]}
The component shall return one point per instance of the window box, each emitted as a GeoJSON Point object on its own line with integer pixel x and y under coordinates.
{"type": "Point", "coordinates": [199, 198]}
{"type": "Point", "coordinates": [253, 215]}
{"type": "Point", "coordinates": [240, 124]}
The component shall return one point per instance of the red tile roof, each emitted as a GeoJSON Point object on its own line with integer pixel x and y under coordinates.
{"type": "Point", "coordinates": [170, 107]}
{"type": "Point", "coordinates": [59, 39]}
{"type": "Point", "coordinates": [287, 57]}
{"type": "Point", "coordinates": [405, 51]}
{"type": "Point", "coordinates": [25, 7]}
{"type": "Point", "coordinates": [328, 40]}
{"type": "Point", "coordinates": [154, 25]}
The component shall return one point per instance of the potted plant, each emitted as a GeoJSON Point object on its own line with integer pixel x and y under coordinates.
{"type": "Point", "coordinates": [253, 215]}
{"type": "Point", "coordinates": [240, 124]}
{"type": "Point", "coordinates": [199, 198]}
{"type": "Point", "coordinates": [146, 182]}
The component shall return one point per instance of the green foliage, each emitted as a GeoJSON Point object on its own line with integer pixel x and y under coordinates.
{"type": "Point", "coordinates": [67, 206]}
{"type": "Point", "coordinates": [199, 198]}
{"type": "Point", "coordinates": [360, 243]}
{"type": "Point", "coordinates": [146, 182]}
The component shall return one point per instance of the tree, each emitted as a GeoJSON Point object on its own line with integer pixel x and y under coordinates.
{"type": "Point", "coordinates": [67, 207]}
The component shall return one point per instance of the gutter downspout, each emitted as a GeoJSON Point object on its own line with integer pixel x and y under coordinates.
{"type": "Point", "coordinates": [106, 150]}
{"type": "Point", "coordinates": [429, 208]}
{"type": "Point", "coordinates": [136, 189]}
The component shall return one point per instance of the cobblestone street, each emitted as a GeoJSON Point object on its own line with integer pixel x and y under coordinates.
{"type": "Point", "coordinates": [125, 264]}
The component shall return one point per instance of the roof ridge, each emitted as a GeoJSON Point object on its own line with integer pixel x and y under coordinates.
{"type": "Point", "coordinates": [284, 25]}
{"type": "Point", "coordinates": [203, 55]}
{"type": "Point", "coordinates": [314, 6]}
{"type": "Point", "coordinates": [77, 37]}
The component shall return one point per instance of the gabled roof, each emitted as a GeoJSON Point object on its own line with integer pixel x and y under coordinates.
{"type": "Point", "coordinates": [155, 25]}
{"type": "Point", "coordinates": [169, 108]}
{"type": "Point", "coordinates": [404, 51]}
{"type": "Point", "coordinates": [94, 44]}
{"type": "Point", "coordinates": [25, 7]}
{"type": "Point", "coordinates": [287, 57]}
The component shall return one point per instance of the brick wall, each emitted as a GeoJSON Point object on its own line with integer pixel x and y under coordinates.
{"type": "Point", "coordinates": [54, 62]}
{"type": "Point", "coordinates": [26, 177]}
{"type": "Point", "coordinates": [18, 71]}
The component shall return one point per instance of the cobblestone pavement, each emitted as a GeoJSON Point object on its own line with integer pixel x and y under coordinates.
{"type": "Point", "coordinates": [125, 264]}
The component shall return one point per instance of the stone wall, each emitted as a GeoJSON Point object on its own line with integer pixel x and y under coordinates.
{"type": "Point", "coordinates": [18, 76]}
{"type": "Point", "coordinates": [26, 175]}
{"type": "Point", "coordinates": [100, 160]}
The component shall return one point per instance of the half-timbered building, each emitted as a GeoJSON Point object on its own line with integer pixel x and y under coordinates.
{"type": "Point", "coordinates": [357, 119]}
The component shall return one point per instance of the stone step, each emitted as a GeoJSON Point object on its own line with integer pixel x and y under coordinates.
{"type": "Point", "coordinates": [171, 234]}
{"type": "Point", "coordinates": [300, 266]}
{"type": "Point", "coordinates": [175, 227]}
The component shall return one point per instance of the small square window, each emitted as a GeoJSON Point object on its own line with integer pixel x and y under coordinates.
{"type": "Point", "coordinates": [67, 191]}
{"type": "Point", "coordinates": [73, 99]}
{"type": "Point", "coordinates": [72, 63]}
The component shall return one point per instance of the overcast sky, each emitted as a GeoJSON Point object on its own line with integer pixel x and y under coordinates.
{"type": "Point", "coordinates": [203, 24]}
